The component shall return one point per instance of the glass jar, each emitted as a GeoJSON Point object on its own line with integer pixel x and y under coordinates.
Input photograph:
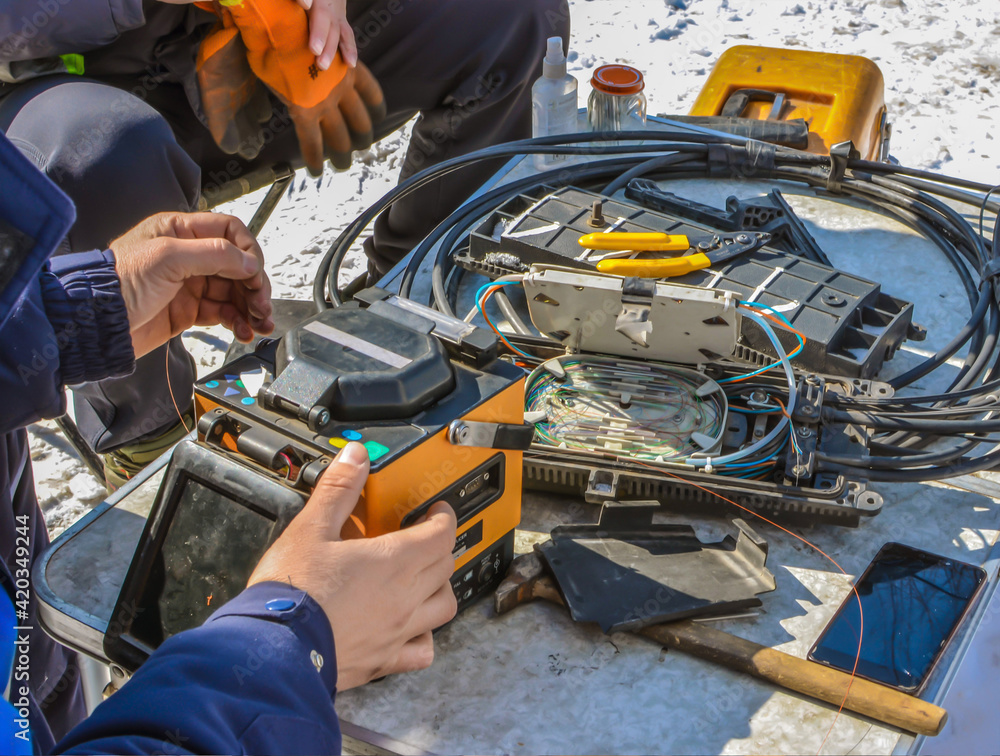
{"type": "Point", "coordinates": [617, 102]}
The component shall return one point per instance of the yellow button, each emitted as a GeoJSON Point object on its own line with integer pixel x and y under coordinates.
{"type": "Point", "coordinates": [340, 443]}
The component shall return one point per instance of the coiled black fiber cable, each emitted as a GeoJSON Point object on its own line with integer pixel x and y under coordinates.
{"type": "Point", "coordinates": [956, 417]}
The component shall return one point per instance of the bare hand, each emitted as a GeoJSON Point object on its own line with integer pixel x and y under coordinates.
{"type": "Point", "coordinates": [330, 30]}
{"type": "Point", "coordinates": [179, 270]}
{"type": "Point", "coordinates": [384, 595]}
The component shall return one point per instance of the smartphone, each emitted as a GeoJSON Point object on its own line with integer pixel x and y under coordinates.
{"type": "Point", "coordinates": [912, 602]}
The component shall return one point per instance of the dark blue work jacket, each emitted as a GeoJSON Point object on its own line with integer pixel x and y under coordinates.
{"type": "Point", "coordinates": [247, 680]}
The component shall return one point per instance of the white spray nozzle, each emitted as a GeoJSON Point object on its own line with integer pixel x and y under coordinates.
{"type": "Point", "coordinates": [554, 63]}
{"type": "Point", "coordinates": [554, 51]}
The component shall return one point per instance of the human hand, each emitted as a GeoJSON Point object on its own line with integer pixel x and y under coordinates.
{"type": "Point", "coordinates": [343, 122]}
{"type": "Point", "coordinates": [178, 270]}
{"type": "Point", "coordinates": [383, 595]}
{"type": "Point", "coordinates": [329, 31]}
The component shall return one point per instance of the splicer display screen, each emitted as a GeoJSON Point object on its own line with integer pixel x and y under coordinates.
{"type": "Point", "coordinates": [211, 547]}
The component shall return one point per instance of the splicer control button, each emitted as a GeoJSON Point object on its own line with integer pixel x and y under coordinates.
{"type": "Point", "coordinates": [375, 450]}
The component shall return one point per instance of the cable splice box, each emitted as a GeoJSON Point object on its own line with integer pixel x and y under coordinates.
{"type": "Point", "coordinates": [852, 327]}
{"type": "Point", "coordinates": [797, 493]}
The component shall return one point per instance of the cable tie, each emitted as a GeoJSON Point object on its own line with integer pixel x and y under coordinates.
{"type": "Point", "coordinates": [745, 160]}
{"type": "Point", "coordinates": [840, 153]}
{"type": "Point", "coordinates": [990, 271]}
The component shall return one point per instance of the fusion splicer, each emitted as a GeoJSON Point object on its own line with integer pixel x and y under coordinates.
{"type": "Point", "coordinates": [440, 416]}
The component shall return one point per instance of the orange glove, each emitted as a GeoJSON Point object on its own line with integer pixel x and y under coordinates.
{"type": "Point", "coordinates": [342, 122]}
{"type": "Point", "coordinates": [333, 110]}
{"type": "Point", "coordinates": [232, 100]}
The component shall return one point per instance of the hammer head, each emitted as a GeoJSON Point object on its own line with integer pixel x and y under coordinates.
{"type": "Point", "coordinates": [518, 587]}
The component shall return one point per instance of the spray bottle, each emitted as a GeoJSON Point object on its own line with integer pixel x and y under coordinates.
{"type": "Point", "coordinates": [553, 100]}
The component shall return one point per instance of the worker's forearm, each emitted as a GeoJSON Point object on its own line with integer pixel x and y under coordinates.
{"type": "Point", "coordinates": [258, 677]}
{"type": "Point", "coordinates": [70, 327]}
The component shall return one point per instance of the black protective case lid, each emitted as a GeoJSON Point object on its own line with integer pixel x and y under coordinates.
{"type": "Point", "coordinates": [359, 365]}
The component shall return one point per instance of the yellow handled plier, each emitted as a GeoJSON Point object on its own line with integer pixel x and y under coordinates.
{"type": "Point", "coordinates": [709, 252]}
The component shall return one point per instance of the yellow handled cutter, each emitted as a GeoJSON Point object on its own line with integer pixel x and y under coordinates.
{"type": "Point", "coordinates": [636, 242]}
{"type": "Point", "coordinates": [719, 248]}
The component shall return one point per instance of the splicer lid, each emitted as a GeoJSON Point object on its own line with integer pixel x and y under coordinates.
{"type": "Point", "coordinates": [360, 365]}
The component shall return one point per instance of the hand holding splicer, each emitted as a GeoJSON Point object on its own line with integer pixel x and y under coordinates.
{"type": "Point", "coordinates": [719, 248]}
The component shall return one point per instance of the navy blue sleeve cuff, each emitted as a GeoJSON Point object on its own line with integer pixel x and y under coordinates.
{"type": "Point", "coordinates": [84, 304]}
{"type": "Point", "coordinates": [280, 602]}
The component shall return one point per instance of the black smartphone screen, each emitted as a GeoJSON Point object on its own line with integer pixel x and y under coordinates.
{"type": "Point", "coordinates": [912, 602]}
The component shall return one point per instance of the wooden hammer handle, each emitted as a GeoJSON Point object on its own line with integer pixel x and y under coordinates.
{"type": "Point", "coordinates": [869, 699]}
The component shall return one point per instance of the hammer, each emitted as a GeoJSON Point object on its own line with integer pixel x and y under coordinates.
{"type": "Point", "coordinates": [527, 581]}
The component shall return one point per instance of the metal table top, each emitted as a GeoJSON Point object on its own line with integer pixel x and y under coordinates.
{"type": "Point", "coordinates": [534, 682]}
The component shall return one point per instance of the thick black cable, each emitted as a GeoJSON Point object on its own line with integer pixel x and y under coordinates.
{"type": "Point", "coordinates": [644, 168]}
{"type": "Point", "coordinates": [909, 195]}
{"type": "Point", "coordinates": [873, 462]}
{"type": "Point", "coordinates": [965, 466]}
{"type": "Point", "coordinates": [325, 285]}
{"type": "Point", "coordinates": [891, 422]}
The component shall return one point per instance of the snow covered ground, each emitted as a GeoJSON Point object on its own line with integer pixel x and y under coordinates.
{"type": "Point", "coordinates": [940, 59]}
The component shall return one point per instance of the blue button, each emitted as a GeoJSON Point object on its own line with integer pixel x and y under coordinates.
{"type": "Point", "coordinates": [247, 400]}
{"type": "Point", "coordinates": [351, 435]}
{"type": "Point", "coordinates": [279, 605]}
{"type": "Point", "coordinates": [212, 384]}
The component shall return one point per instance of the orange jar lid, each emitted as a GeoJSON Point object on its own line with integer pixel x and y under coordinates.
{"type": "Point", "coordinates": [618, 80]}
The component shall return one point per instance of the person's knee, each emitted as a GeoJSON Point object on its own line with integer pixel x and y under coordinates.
{"type": "Point", "coordinates": [113, 154]}
{"type": "Point", "coordinates": [127, 148]}
{"type": "Point", "coordinates": [518, 30]}
{"type": "Point", "coordinates": [529, 20]}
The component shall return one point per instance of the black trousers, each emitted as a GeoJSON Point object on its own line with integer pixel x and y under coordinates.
{"type": "Point", "coordinates": [125, 148]}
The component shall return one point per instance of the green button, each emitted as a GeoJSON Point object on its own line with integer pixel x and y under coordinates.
{"type": "Point", "coordinates": [375, 450]}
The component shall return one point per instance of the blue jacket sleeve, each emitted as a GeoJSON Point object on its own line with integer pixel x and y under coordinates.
{"type": "Point", "coordinates": [70, 327]}
{"type": "Point", "coordinates": [31, 29]}
{"type": "Point", "coordinates": [258, 677]}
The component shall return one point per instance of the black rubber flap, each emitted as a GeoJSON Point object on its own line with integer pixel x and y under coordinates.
{"type": "Point", "coordinates": [626, 573]}
{"type": "Point", "coordinates": [361, 366]}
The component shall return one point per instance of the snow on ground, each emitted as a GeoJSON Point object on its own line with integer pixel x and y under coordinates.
{"type": "Point", "coordinates": [940, 59]}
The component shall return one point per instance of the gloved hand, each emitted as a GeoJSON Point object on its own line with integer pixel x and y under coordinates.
{"type": "Point", "coordinates": [334, 110]}
{"type": "Point", "coordinates": [343, 122]}
{"type": "Point", "coordinates": [234, 103]}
